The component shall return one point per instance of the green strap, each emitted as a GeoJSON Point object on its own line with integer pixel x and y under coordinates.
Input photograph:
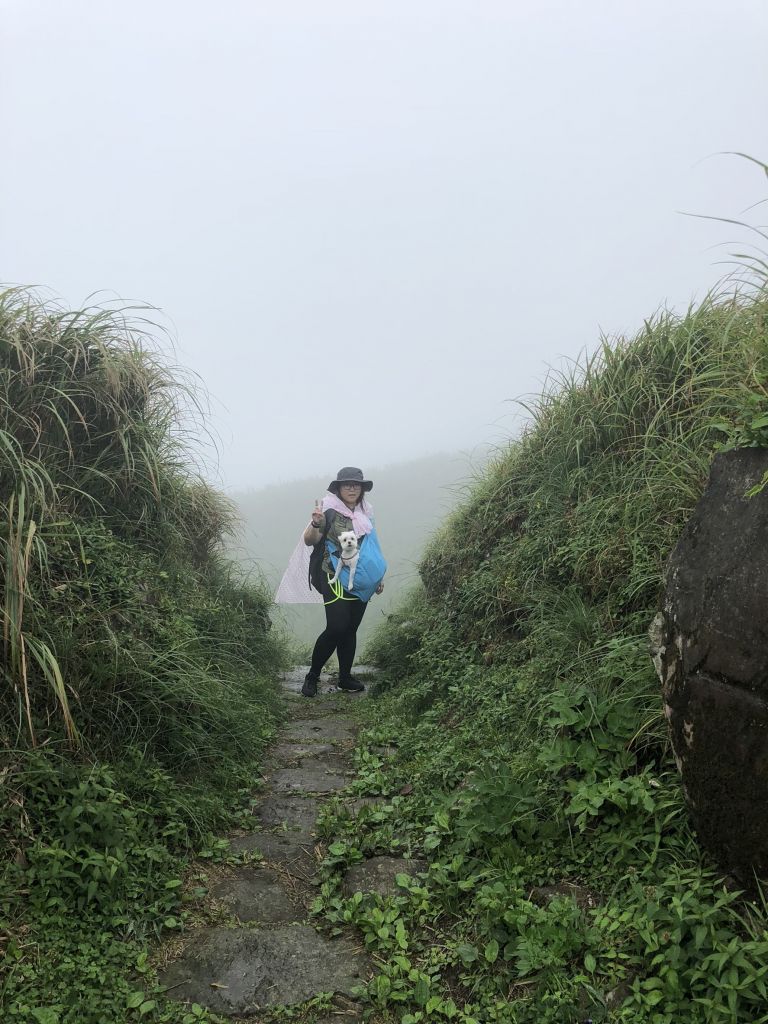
{"type": "Point", "coordinates": [338, 591]}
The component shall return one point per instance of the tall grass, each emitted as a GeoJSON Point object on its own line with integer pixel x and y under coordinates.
{"type": "Point", "coordinates": [536, 747]}
{"type": "Point", "coordinates": [616, 453]}
{"type": "Point", "coordinates": [102, 505]}
{"type": "Point", "coordinates": [137, 675]}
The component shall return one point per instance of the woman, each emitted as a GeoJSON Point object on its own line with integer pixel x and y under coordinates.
{"type": "Point", "coordinates": [344, 508]}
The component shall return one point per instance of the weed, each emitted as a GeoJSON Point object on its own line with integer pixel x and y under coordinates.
{"type": "Point", "coordinates": [565, 881]}
{"type": "Point", "coordinates": [137, 672]}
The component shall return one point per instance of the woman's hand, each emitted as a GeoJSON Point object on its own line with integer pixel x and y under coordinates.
{"type": "Point", "coordinates": [316, 523]}
{"type": "Point", "coordinates": [380, 588]}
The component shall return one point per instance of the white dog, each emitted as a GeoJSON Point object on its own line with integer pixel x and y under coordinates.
{"type": "Point", "coordinates": [349, 556]}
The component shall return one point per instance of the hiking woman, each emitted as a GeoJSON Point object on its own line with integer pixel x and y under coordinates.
{"type": "Point", "coordinates": [343, 508]}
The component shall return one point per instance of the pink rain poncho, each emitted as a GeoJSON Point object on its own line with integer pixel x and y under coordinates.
{"type": "Point", "coordinates": [294, 586]}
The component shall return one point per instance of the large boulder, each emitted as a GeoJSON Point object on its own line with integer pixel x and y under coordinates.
{"type": "Point", "coordinates": [710, 647]}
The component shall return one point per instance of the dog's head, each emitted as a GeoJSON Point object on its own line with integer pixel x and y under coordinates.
{"type": "Point", "coordinates": [348, 542]}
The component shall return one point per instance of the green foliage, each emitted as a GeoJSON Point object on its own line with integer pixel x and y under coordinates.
{"type": "Point", "coordinates": [531, 766]}
{"type": "Point", "coordinates": [95, 868]}
{"type": "Point", "coordinates": [137, 678]}
{"type": "Point", "coordinates": [749, 428]}
{"type": "Point", "coordinates": [113, 591]}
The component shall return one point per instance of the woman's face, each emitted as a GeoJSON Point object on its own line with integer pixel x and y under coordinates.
{"type": "Point", "coordinates": [350, 493]}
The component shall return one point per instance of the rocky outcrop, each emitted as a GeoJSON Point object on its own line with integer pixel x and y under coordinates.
{"type": "Point", "coordinates": [710, 647]}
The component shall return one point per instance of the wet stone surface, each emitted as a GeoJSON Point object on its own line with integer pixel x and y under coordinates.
{"type": "Point", "coordinates": [272, 957]}
{"type": "Point", "coordinates": [307, 780]}
{"type": "Point", "coordinates": [321, 729]}
{"type": "Point", "coordinates": [242, 970]}
{"type": "Point", "coordinates": [334, 761]}
{"type": "Point", "coordinates": [256, 895]}
{"type": "Point", "coordinates": [710, 648]}
{"type": "Point", "coordinates": [289, 752]}
{"type": "Point", "coordinates": [293, 814]}
{"type": "Point", "coordinates": [379, 875]}
{"type": "Point", "coordinates": [282, 849]}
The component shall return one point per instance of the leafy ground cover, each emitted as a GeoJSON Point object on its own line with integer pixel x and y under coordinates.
{"type": "Point", "coordinates": [529, 757]}
{"type": "Point", "coordinates": [138, 665]}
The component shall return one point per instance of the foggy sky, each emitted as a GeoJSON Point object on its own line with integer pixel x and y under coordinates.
{"type": "Point", "coordinates": [370, 226]}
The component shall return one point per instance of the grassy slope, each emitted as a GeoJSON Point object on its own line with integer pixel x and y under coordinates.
{"type": "Point", "coordinates": [138, 665]}
{"type": "Point", "coordinates": [534, 758]}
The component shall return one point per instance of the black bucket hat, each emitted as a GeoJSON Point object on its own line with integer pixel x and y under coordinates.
{"type": "Point", "coordinates": [349, 475]}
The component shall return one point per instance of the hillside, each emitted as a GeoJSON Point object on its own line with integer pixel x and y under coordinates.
{"type": "Point", "coordinates": [532, 764]}
{"type": "Point", "coordinates": [410, 499]}
{"type": "Point", "coordinates": [515, 746]}
{"type": "Point", "coordinates": [138, 664]}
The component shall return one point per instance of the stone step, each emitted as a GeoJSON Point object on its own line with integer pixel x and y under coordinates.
{"type": "Point", "coordinates": [321, 729]}
{"type": "Point", "coordinates": [256, 894]}
{"type": "Point", "coordinates": [243, 970]}
{"type": "Point", "coordinates": [279, 960]}
{"type": "Point", "coordinates": [312, 778]}
{"type": "Point", "coordinates": [293, 814]}
{"type": "Point", "coordinates": [281, 849]}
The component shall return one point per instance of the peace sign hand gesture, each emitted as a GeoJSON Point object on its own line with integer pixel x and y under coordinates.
{"type": "Point", "coordinates": [317, 514]}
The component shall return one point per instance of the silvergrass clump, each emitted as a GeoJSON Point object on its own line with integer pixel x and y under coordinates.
{"type": "Point", "coordinates": [102, 512]}
{"type": "Point", "coordinates": [565, 880]}
{"type": "Point", "coordinates": [518, 688]}
{"type": "Point", "coordinates": [616, 453]}
{"type": "Point", "coordinates": [137, 690]}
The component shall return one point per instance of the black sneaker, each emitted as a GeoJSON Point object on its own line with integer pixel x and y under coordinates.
{"type": "Point", "coordinates": [309, 689]}
{"type": "Point", "coordinates": [351, 684]}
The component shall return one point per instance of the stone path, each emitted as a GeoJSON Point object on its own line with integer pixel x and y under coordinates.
{"type": "Point", "coordinates": [265, 954]}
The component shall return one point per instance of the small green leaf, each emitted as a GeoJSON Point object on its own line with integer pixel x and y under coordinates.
{"type": "Point", "coordinates": [467, 952]}
{"type": "Point", "coordinates": [491, 951]}
{"type": "Point", "coordinates": [45, 1015]}
{"type": "Point", "coordinates": [421, 992]}
{"type": "Point", "coordinates": [383, 985]}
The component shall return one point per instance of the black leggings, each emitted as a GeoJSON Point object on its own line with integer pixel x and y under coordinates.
{"type": "Point", "coordinates": [340, 634]}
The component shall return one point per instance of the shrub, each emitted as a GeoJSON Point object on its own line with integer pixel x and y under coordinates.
{"type": "Point", "coordinates": [565, 881]}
